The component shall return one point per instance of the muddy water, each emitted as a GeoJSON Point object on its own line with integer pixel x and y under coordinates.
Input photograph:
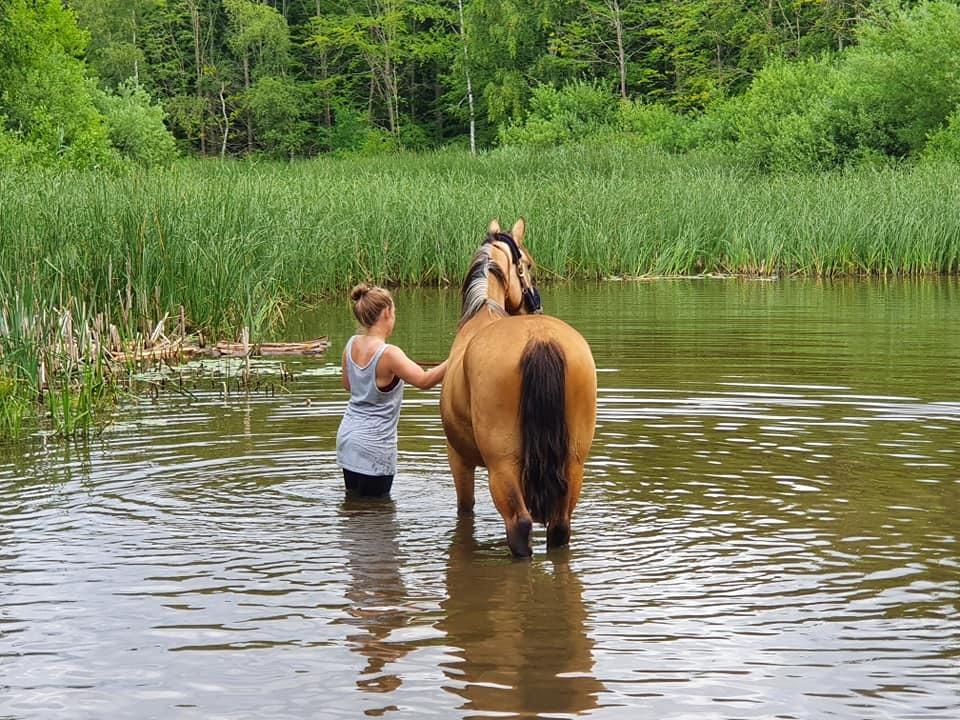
{"type": "Point", "coordinates": [769, 528]}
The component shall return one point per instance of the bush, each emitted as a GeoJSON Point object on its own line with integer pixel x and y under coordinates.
{"type": "Point", "coordinates": [881, 99]}
{"type": "Point", "coordinates": [278, 106]}
{"type": "Point", "coordinates": [45, 94]}
{"type": "Point", "coordinates": [944, 144]}
{"type": "Point", "coordinates": [352, 134]}
{"type": "Point", "coordinates": [778, 123]}
{"type": "Point", "coordinates": [900, 83]}
{"type": "Point", "coordinates": [15, 152]}
{"type": "Point", "coordinates": [135, 125]}
{"type": "Point", "coordinates": [557, 116]}
{"type": "Point", "coordinates": [655, 124]}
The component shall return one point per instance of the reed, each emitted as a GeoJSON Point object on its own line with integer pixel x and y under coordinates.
{"type": "Point", "coordinates": [236, 242]}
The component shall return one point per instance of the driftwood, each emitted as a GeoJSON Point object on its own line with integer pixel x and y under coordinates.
{"type": "Point", "coordinates": [239, 349]}
{"type": "Point", "coordinates": [158, 346]}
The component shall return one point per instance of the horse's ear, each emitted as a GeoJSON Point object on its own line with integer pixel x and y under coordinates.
{"type": "Point", "coordinates": [494, 227]}
{"type": "Point", "coordinates": [519, 228]}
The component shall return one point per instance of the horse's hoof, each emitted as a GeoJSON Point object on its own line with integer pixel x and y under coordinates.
{"type": "Point", "coordinates": [558, 536]}
{"type": "Point", "coordinates": [518, 538]}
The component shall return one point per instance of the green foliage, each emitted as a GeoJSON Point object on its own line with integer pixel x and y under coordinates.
{"type": "Point", "coordinates": [135, 125]}
{"type": "Point", "coordinates": [507, 43]}
{"type": "Point", "coordinates": [352, 134]}
{"type": "Point", "coordinates": [15, 152]}
{"type": "Point", "coordinates": [45, 97]}
{"type": "Point", "coordinates": [879, 100]}
{"type": "Point", "coordinates": [119, 33]}
{"type": "Point", "coordinates": [656, 124]}
{"type": "Point", "coordinates": [271, 78]}
{"type": "Point", "coordinates": [901, 81]}
{"type": "Point", "coordinates": [258, 32]}
{"type": "Point", "coordinates": [279, 107]}
{"type": "Point", "coordinates": [944, 144]}
{"type": "Point", "coordinates": [779, 122]}
{"type": "Point", "coordinates": [558, 116]}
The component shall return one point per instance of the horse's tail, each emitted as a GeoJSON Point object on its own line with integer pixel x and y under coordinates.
{"type": "Point", "coordinates": [543, 425]}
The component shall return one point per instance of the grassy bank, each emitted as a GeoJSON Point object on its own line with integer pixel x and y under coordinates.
{"type": "Point", "coordinates": [234, 242]}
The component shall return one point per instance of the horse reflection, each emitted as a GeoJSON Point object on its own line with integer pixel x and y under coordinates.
{"type": "Point", "coordinates": [376, 592]}
{"type": "Point", "coordinates": [519, 633]}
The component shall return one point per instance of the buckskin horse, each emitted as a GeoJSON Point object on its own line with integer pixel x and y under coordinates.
{"type": "Point", "coordinates": [519, 396]}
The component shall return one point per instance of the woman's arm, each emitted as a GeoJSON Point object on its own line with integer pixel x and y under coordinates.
{"type": "Point", "coordinates": [407, 370]}
{"type": "Point", "coordinates": [344, 378]}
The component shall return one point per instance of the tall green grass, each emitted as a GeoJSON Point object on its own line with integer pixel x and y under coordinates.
{"type": "Point", "coordinates": [233, 243]}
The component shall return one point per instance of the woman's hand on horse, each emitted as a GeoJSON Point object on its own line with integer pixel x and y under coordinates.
{"type": "Point", "coordinates": [407, 370]}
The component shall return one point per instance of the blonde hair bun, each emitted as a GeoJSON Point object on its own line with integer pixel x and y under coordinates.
{"type": "Point", "coordinates": [359, 291]}
{"type": "Point", "coordinates": [368, 302]}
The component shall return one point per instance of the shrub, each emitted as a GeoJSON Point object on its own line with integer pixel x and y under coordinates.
{"type": "Point", "coordinates": [944, 144]}
{"type": "Point", "coordinates": [135, 125]}
{"type": "Point", "coordinates": [655, 124]}
{"type": "Point", "coordinates": [16, 152]}
{"type": "Point", "coordinates": [900, 83]}
{"type": "Point", "coordinates": [779, 121]}
{"type": "Point", "coordinates": [44, 92]}
{"type": "Point", "coordinates": [556, 116]}
{"type": "Point", "coordinates": [352, 133]}
{"type": "Point", "coordinates": [278, 106]}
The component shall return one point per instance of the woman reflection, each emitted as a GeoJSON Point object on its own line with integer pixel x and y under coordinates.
{"type": "Point", "coordinates": [377, 592]}
{"type": "Point", "coordinates": [518, 631]}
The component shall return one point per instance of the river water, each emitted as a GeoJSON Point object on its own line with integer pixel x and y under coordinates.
{"type": "Point", "coordinates": [768, 529]}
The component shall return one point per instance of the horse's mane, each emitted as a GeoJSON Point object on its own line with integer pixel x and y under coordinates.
{"type": "Point", "coordinates": [473, 294]}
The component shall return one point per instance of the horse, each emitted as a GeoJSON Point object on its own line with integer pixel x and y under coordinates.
{"type": "Point", "coordinates": [519, 396]}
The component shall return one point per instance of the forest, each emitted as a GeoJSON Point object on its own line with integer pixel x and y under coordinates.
{"type": "Point", "coordinates": [791, 84]}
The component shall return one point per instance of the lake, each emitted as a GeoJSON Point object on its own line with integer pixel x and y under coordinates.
{"type": "Point", "coordinates": [768, 529]}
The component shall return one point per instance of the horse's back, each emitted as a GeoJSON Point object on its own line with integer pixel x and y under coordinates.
{"type": "Point", "coordinates": [493, 370]}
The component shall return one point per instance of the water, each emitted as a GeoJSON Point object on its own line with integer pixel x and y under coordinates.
{"type": "Point", "coordinates": [768, 528]}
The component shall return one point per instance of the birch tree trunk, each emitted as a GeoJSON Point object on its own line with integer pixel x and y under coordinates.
{"type": "Point", "coordinates": [466, 72]}
{"type": "Point", "coordinates": [621, 52]}
{"type": "Point", "coordinates": [226, 123]}
{"type": "Point", "coordinates": [198, 59]}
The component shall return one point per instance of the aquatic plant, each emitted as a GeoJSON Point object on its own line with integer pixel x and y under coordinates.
{"type": "Point", "coordinates": [234, 243]}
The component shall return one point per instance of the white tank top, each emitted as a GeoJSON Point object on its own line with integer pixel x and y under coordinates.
{"type": "Point", "coordinates": [367, 438]}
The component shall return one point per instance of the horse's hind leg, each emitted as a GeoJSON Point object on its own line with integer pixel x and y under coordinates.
{"type": "Point", "coordinates": [508, 498]}
{"type": "Point", "coordinates": [558, 527]}
{"type": "Point", "coordinates": [463, 479]}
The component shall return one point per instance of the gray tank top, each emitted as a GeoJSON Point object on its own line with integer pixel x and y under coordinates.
{"type": "Point", "coordinates": [367, 438]}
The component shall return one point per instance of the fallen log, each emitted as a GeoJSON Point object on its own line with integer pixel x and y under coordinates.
{"type": "Point", "coordinates": [239, 349]}
{"type": "Point", "coordinates": [175, 349]}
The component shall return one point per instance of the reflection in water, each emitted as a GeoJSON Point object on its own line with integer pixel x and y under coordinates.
{"type": "Point", "coordinates": [774, 484]}
{"type": "Point", "coordinates": [519, 632]}
{"type": "Point", "coordinates": [368, 531]}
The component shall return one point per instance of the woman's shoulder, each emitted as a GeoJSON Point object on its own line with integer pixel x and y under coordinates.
{"type": "Point", "coordinates": [393, 352]}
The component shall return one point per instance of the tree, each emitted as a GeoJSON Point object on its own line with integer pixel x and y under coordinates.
{"type": "Point", "coordinates": [136, 125]}
{"type": "Point", "coordinates": [603, 34]}
{"type": "Point", "coordinates": [260, 37]}
{"type": "Point", "coordinates": [466, 76]}
{"type": "Point", "coordinates": [116, 29]}
{"type": "Point", "coordinates": [46, 98]}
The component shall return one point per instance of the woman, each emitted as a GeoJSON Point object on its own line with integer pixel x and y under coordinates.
{"type": "Point", "coordinates": [374, 372]}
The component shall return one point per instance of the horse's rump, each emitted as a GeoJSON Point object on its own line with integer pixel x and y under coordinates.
{"type": "Point", "coordinates": [544, 432]}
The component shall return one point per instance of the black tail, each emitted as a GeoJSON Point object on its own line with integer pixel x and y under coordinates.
{"type": "Point", "coordinates": [544, 428]}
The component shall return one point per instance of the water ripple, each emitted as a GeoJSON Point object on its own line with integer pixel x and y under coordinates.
{"type": "Point", "coordinates": [764, 532]}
